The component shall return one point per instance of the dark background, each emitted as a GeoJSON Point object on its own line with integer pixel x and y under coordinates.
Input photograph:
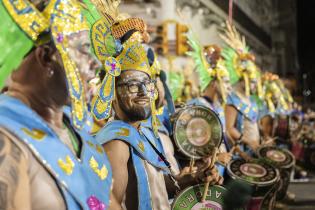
{"type": "Point", "coordinates": [306, 47]}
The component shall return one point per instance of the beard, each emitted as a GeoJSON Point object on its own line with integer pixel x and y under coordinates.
{"type": "Point", "coordinates": [135, 113]}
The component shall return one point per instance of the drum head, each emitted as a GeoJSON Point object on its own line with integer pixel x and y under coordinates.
{"type": "Point", "coordinates": [197, 131]}
{"type": "Point", "coordinates": [276, 156]}
{"type": "Point", "coordinates": [255, 172]}
{"type": "Point", "coordinates": [190, 198]}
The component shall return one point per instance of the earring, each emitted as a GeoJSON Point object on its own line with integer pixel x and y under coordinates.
{"type": "Point", "coordinates": [50, 72]}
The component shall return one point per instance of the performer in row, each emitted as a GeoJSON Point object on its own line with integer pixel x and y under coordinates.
{"type": "Point", "coordinates": [241, 111]}
{"type": "Point", "coordinates": [140, 167]}
{"type": "Point", "coordinates": [215, 86]}
{"type": "Point", "coordinates": [46, 160]}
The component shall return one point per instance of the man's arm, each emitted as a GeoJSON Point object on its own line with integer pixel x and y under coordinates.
{"type": "Point", "coordinates": [266, 126]}
{"type": "Point", "coordinates": [14, 183]}
{"type": "Point", "coordinates": [118, 155]}
{"type": "Point", "coordinates": [230, 119]}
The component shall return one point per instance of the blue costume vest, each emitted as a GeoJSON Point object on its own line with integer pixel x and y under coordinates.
{"type": "Point", "coordinates": [262, 107]}
{"type": "Point", "coordinates": [140, 149]}
{"type": "Point", "coordinates": [86, 182]}
{"type": "Point", "coordinates": [244, 110]}
{"type": "Point", "coordinates": [220, 112]}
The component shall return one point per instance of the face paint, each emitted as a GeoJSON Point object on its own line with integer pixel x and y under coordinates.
{"type": "Point", "coordinates": [135, 105]}
{"type": "Point", "coordinates": [253, 86]}
{"type": "Point", "coordinates": [87, 64]}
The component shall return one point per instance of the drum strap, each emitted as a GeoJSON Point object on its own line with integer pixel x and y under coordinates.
{"type": "Point", "coordinates": [163, 158]}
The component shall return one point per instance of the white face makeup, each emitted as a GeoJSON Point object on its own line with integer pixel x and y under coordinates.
{"type": "Point", "coordinates": [87, 64]}
{"type": "Point", "coordinates": [80, 53]}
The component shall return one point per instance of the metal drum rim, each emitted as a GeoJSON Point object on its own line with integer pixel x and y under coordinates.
{"type": "Point", "coordinates": [183, 111]}
{"type": "Point", "coordinates": [283, 150]}
{"type": "Point", "coordinates": [266, 183]}
{"type": "Point", "coordinates": [191, 187]}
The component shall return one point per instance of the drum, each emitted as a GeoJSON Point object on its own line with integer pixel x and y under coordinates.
{"type": "Point", "coordinates": [261, 176]}
{"type": "Point", "coordinates": [282, 130]}
{"type": "Point", "coordinates": [190, 198]}
{"type": "Point", "coordinates": [309, 154]}
{"type": "Point", "coordinates": [283, 160]}
{"type": "Point", "coordinates": [197, 130]}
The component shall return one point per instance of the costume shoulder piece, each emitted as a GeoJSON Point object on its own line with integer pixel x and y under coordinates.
{"type": "Point", "coordinates": [250, 111]}
{"type": "Point", "coordinates": [119, 130]}
{"type": "Point", "coordinates": [92, 170]}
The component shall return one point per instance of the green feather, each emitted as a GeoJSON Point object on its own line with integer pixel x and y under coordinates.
{"type": "Point", "coordinates": [15, 44]}
{"type": "Point", "coordinates": [175, 82]}
{"type": "Point", "coordinates": [92, 15]}
{"type": "Point", "coordinates": [90, 12]}
{"type": "Point", "coordinates": [229, 54]}
{"type": "Point", "coordinates": [200, 63]}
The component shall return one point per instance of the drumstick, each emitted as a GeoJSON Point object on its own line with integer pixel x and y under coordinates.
{"type": "Point", "coordinates": [191, 164]}
{"type": "Point", "coordinates": [270, 140]}
{"type": "Point", "coordinates": [208, 183]}
{"type": "Point", "coordinates": [232, 150]}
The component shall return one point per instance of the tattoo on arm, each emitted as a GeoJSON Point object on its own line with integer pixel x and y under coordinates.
{"type": "Point", "coordinates": [3, 195]}
{"type": "Point", "coordinates": [10, 157]}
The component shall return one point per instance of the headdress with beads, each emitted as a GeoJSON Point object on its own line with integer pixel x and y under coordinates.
{"type": "Point", "coordinates": [23, 26]}
{"type": "Point", "coordinates": [209, 63]}
{"type": "Point", "coordinates": [271, 89]}
{"type": "Point", "coordinates": [106, 34]}
{"type": "Point", "coordinates": [239, 61]}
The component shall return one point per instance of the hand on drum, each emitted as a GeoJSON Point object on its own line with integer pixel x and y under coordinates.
{"type": "Point", "coordinates": [205, 173]}
{"type": "Point", "coordinates": [252, 144]}
{"type": "Point", "coordinates": [199, 174]}
{"type": "Point", "coordinates": [268, 141]}
{"type": "Point", "coordinates": [224, 158]}
{"type": "Point", "coordinates": [210, 175]}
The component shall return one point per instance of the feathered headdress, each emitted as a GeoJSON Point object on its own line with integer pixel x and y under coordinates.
{"type": "Point", "coordinates": [209, 63]}
{"type": "Point", "coordinates": [20, 31]}
{"type": "Point", "coordinates": [106, 34]}
{"type": "Point", "coordinates": [272, 90]}
{"type": "Point", "coordinates": [175, 82]}
{"type": "Point", "coordinates": [239, 61]}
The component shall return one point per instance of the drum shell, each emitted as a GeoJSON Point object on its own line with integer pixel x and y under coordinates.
{"type": "Point", "coordinates": [285, 167]}
{"type": "Point", "coordinates": [191, 198]}
{"type": "Point", "coordinates": [263, 196]}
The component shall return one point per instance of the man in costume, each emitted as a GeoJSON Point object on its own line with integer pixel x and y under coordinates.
{"type": "Point", "coordinates": [214, 82]}
{"type": "Point", "coordinates": [241, 111]}
{"type": "Point", "coordinates": [137, 160]}
{"type": "Point", "coordinates": [46, 160]}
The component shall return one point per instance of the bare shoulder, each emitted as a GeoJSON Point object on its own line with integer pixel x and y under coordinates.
{"type": "Point", "coordinates": [9, 150]}
{"type": "Point", "coordinates": [117, 150]}
{"type": "Point", "coordinates": [13, 145]}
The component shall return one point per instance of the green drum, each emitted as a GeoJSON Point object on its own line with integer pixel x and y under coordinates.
{"type": "Point", "coordinates": [190, 198]}
{"type": "Point", "coordinates": [197, 130]}
{"type": "Point", "coordinates": [284, 160]}
{"type": "Point", "coordinates": [261, 176]}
